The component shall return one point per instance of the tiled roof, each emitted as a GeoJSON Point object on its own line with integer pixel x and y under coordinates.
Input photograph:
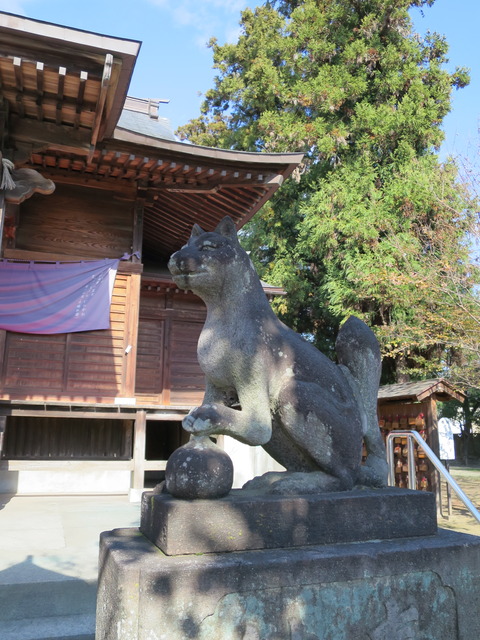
{"type": "Point", "coordinates": [159, 128]}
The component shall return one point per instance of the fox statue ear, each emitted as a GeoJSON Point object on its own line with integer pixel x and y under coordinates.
{"type": "Point", "coordinates": [226, 227]}
{"type": "Point", "coordinates": [196, 231]}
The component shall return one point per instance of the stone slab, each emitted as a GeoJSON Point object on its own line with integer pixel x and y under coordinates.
{"type": "Point", "coordinates": [79, 627]}
{"type": "Point", "coordinates": [423, 588]}
{"type": "Point", "coordinates": [244, 520]}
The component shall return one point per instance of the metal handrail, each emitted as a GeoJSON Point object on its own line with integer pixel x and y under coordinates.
{"type": "Point", "coordinates": [412, 480]}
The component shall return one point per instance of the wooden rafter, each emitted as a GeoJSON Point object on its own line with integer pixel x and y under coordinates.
{"type": "Point", "coordinates": [17, 69]}
{"type": "Point", "coordinates": [60, 94]}
{"type": "Point", "coordinates": [80, 97]}
{"type": "Point", "coordinates": [39, 67]}
{"type": "Point", "coordinates": [106, 78]}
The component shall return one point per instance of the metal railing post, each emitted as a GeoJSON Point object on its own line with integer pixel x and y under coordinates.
{"type": "Point", "coordinates": [412, 476]}
{"type": "Point", "coordinates": [414, 435]}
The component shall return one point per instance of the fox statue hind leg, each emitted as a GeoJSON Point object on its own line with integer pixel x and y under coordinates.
{"type": "Point", "coordinates": [358, 355]}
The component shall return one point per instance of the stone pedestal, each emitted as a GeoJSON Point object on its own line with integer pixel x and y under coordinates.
{"type": "Point", "coordinates": [421, 586]}
{"type": "Point", "coordinates": [245, 520]}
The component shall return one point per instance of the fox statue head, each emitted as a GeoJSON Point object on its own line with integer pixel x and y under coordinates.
{"type": "Point", "coordinates": [212, 261]}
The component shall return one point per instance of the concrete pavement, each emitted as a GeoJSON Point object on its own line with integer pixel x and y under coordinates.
{"type": "Point", "coordinates": [49, 562]}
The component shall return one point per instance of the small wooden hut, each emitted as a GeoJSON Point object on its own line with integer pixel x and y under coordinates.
{"type": "Point", "coordinates": [95, 410]}
{"type": "Point", "coordinates": [413, 406]}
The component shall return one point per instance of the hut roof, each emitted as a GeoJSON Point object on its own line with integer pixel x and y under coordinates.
{"type": "Point", "coordinates": [417, 391]}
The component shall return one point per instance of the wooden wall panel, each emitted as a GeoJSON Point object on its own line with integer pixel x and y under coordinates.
{"type": "Point", "coordinates": [94, 363]}
{"type": "Point", "coordinates": [188, 301]}
{"type": "Point", "coordinates": [187, 380]}
{"type": "Point", "coordinates": [34, 363]}
{"type": "Point", "coordinates": [60, 438]}
{"type": "Point", "coordinates": [168, 372]}
{"type": "Point", "coordinates": [150, 379]}
{"type": "Point", "coordinates": [72, 366]}
{"type": "Point", "coordinates": [76, 221]}
{"type": "Point", "coordinates": [150, 358]}
{"type": "Point", "coordinates": [95, 359]}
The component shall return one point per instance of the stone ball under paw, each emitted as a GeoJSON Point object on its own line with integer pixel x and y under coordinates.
{"type": "Point", "coordinates": [199, 470]}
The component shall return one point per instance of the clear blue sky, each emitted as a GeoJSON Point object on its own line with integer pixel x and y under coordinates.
{"type": "Point", "coordinates": [175, 63]}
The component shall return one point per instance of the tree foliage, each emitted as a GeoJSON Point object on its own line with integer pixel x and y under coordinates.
{"type": "Point", "coordinates": [373, 224]}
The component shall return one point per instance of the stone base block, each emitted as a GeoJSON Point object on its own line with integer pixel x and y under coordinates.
{"type": "Point", "coordinates": [244, 520]}
{"type": "Point", "coordinates": [421, 588]}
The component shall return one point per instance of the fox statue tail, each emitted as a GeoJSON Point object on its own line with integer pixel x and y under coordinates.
{"type": "Point", "coordinates": [359, 357]}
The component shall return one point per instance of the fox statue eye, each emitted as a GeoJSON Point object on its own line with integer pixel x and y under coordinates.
{"type": "Point", "coordinates": [208, 246]}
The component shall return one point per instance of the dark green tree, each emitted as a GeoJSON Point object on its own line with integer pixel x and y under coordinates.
{"type": "Point", "coordinates": [372, 224]}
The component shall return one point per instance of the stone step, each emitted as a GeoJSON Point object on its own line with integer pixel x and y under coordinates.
{"type": "Point", "coordinates": [73, 627]}
{"type": "Point", "coordinates": [36, 600]}
{"type": "Point", "coordinates": [51, 610]}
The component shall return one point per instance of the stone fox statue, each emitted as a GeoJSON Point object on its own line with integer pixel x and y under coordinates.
{"type": "Point", "coordinates": [266, 385]}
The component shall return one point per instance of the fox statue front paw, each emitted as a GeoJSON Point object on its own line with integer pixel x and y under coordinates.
{"type": "Point", "coordinates": [204, 420]}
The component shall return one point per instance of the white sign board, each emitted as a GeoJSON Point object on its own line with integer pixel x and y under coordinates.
{"type": "Point", "coordinates": [445, 439]}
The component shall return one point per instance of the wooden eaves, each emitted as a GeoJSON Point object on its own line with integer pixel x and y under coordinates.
{"type": "Point", "coordinates": [61, 94]}
{"type": "Point", "coordinates": [61, 81]}
{"type": "Point", "coordinates": [184, 184]}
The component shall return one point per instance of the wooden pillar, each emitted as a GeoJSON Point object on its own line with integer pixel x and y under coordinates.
{"type": "Point", "coordinates": [432, 424]}
{"type": "Point", "coordinates": [133, 305]}
{"type": "Point", "coordinates": [167, 351]}
{"type": "Point", "coordinates": [3, 333]}
{"type": "Point", "coordinates": [3, 425]}
{"type": "Point", "coordinates": [139, 440]}
{"type": "Point", "coordinates": [137, 242]}
{"type": "Point", "coordinates": [3, 341]}
{"type": "Point", "coordinates": [431, 417]}
{"type": "Point", "coordinates": [12, 216]}
{"type": "Point", "coordinates": [2, 214]}
{"type": "Point", "coordinates": [131, 334]}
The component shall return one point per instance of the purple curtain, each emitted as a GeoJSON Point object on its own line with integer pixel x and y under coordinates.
{"type": "Point", "coordinates": [56, 298]}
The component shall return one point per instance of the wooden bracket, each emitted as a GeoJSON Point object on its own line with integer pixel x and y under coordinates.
{"type": "Point", "coordinates": [106, 78]}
